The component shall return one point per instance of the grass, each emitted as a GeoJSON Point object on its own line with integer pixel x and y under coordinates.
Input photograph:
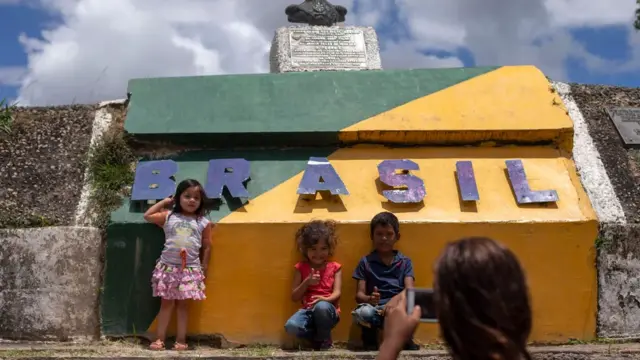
{"type": "Point", "coordinates": [6, 116]}
{"type": "Point", "coordinates": [110, 173]}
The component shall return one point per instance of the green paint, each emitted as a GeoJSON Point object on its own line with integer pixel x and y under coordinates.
{"type": "Point", "coordinates": [133, 246]}
{"type": "Point", "coordinates": [319, 103]}
{"type": "Point", "coordinates": [128, 307]}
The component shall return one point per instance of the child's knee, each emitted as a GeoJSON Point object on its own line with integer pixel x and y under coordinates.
{"type": "Point", "coordinates": [366, 312]}
{"type": "Point", "coordinates": [293, 327]}
{"type": "Point", "coordinates": [182, 304]}
{"type": "Point", "coordinates": [324, 307]}
{"type": "Point", "coordinates": [167, 304]}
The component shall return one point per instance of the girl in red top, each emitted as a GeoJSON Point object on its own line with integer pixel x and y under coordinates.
{"type": "Point", "coordinates": [316, 284]}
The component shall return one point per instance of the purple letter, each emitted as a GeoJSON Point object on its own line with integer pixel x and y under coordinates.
{"type": "Point", "coordinates": [153, 180]}
{"type": "Point", "coordinates": [467, 181]}
{"type": "Point", "coordinates": [321, 176]}
{"type": "Point", "coordinates": [414, 192]}
{"type": "Point", "coordinates": [231, 173]}
{"type": "Point", "coordinates": [520, 185]}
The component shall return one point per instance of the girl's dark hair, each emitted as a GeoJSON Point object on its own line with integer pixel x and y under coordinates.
{"type": "Point", "coordinates": [482, 301]}
{"type": "Point", "coordinates": [182, 187]}
{"type": "Point", "coordinates": [312, 232]}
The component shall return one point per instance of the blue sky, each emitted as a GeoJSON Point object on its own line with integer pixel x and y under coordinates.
{"type": "Point", "coordinates": [607, 40]}
{"type": "Point", "coordinates": [17, 20]}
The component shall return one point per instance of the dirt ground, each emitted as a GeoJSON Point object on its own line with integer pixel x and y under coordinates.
{"type": "Point", "coordinates": [129, 350]}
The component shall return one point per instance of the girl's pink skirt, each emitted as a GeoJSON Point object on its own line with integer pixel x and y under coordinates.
{"type": "Point", "coordinates": [174, 283]}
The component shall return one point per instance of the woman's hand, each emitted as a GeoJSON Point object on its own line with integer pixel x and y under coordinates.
{"type": "Point", "coordinates": [398, 326]}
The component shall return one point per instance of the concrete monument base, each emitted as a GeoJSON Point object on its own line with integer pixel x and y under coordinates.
{"type": "Point", "coordinates": [321, 48]}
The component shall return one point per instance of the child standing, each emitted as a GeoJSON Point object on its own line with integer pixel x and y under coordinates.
{"type": "Point", "coordinates": [179, 273]}
{"type": "Point", "coordinates": [316, 284]}
{"type": "Point", "coordinates": [381, 275]}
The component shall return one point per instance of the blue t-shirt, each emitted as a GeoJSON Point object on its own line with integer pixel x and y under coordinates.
{"type": "Point", "coordinates": [389, 279]}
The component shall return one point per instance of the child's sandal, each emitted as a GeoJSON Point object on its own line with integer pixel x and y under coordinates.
{"type": "Point", "coordinates": [157, 345]}
{"type": "Point", "coordinates": [180, 347]}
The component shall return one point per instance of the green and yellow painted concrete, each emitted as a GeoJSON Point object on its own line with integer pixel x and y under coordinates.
{"type": "Point", "coordinates": [251, 269]}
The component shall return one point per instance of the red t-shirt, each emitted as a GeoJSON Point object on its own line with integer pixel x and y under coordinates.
{"type": "Point", "coordinates": [324, 287]}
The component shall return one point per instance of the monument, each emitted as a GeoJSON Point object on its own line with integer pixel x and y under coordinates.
{"type": "Point", "coordinates": [318, 41]}
{"type": "Point", "coordinates": [334, 141]}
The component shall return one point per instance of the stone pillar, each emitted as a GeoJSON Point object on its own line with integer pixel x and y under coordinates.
{"type": "Point", "coordinates": [322, 48]}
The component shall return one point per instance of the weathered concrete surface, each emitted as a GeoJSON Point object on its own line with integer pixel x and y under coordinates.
{"type": "Point", "coordinates": [42, 160]}
{"type": "Point", "coordinates": [49, 283]}
{"type": "Point", "coordinates": [106, 350]}
{"type": "Point", "coordinates": [619, 280]}
{"type": "Point", "coordinates": [610, 175]}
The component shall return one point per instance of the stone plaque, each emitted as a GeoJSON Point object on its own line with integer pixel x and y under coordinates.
{"type": "Point", "coordinates": [627, 122]}
{"type": "Point", "coordinates": [327, 48]}
{"type": "Point", "coordinates": [322, 48]}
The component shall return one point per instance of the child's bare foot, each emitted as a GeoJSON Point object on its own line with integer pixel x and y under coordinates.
{"type": "Point", "coordinates": [157, 345]}
{"type": "Point", "coordinates": [180, 346]}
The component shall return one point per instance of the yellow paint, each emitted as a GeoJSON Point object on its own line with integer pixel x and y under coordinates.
{"type": "Point", "coordinates": [514, 104]}
{"type": "Point", "coordinates": [251, 269]}
{"type": "Point", "coordinates": [546, 169]}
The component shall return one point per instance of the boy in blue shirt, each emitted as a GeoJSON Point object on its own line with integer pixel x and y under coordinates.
{"type": "Point", "coordinates": [381, 275]}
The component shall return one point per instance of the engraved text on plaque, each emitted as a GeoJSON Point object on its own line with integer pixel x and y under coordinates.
{"type": "Point", "coordinates": [328, 48]}
{"type": "Point", "coordinates": [627, 122]}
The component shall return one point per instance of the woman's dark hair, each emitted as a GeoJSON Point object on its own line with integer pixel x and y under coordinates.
{"type": "Point", "coordinates": [182, 187]}
{"type": "Point", "coordinates": [384, 218]}
{"type": "Point", "coordinates": [312, 232]}
{"type": "Point", "coordinates": [482, 301]}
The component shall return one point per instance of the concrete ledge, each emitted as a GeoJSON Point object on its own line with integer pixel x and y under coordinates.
{"type": "Point", "coordinates": [465, 106]}
{"type": "Point", "coordinates": [49, 283]}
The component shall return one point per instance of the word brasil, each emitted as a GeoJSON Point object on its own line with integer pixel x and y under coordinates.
{"type": "Point", "coordinates": [154, 180]}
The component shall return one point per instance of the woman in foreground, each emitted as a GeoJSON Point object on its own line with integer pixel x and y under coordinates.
{"type": "Point", "coordinates": [481, 300]}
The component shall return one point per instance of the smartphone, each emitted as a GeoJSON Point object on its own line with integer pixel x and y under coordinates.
{"type": "Point", "coordinates": [424, 299]}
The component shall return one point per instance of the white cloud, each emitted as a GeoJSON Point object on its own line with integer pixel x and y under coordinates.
{"type": "Point", "coordinates": [12, 75]}
{"type": "Point", "coordinates": [99, 45]}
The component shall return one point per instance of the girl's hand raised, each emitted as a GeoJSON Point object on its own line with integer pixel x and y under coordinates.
{"type": "Point", "coordinates": [314, 277]}
{"type": "Point", "coordinates": [168, 201]}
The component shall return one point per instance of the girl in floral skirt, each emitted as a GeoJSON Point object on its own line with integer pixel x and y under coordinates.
{"type": "Point", "coordinates": [180, 271]}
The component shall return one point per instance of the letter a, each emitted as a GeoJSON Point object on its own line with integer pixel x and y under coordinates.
{"type": "Point", "coordinates": [321, 176]}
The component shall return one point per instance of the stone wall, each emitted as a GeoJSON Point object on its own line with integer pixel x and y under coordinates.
{"type": "Point", "coordinates": [49, 283]}
{"type": "Point", "coordinates": [50, 267]}
{"type": "Point", "coordinates": [610, 174]}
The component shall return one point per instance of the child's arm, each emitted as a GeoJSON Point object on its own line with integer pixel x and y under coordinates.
{"type": "Point", "coordinates": [363, 298]}
{"type": "Point", "coordinates": [206, 247]}
{"type": "Point", "coordinates": [409, 277]}
{"type": "Point", "coordinates": [337, 287]}
{"type": "Point", "coordinates": [299, 286]}
{"type": "Point", "coordinates": [360, 275]}
{"type": "Point", "coordinates": [157, 213]}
